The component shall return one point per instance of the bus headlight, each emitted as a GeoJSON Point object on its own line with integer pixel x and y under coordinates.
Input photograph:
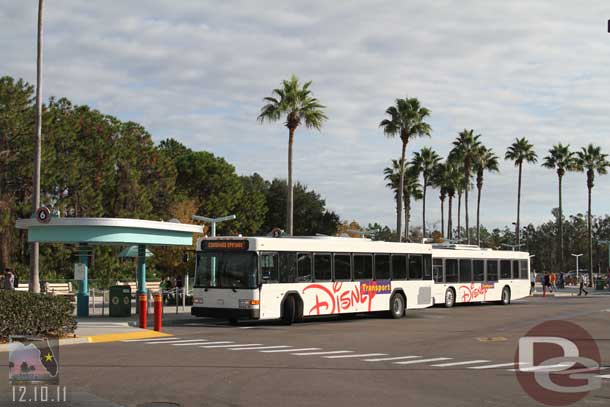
{"type": "Point", "coordinates": [197, 300]}
{"type": "Point", "coordinates": [248, 304]}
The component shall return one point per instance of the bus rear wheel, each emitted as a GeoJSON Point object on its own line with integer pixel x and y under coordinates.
{"type": "Point", "coordinates": [449, 298]}
{"type": "Point", "coordinates": [289, 310]}
{"type": "Point", "coordinates": [505, 296]}
{"type": "Point", "coordinates": [397, 306]}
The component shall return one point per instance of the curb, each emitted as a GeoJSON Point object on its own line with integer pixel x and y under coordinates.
{"type": "Point", "coordinates": [105, 338]}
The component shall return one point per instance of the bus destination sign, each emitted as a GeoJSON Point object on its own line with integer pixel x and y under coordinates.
{"type": "Point", "coordinates": [224, 245]}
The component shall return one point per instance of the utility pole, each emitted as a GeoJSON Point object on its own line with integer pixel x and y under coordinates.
{"type": "Point", "coordinates": [34, 246]}
{"type": "Point", "coordinates": [213, 221]}
{"type": "Point", "coordinates": [577, 269]}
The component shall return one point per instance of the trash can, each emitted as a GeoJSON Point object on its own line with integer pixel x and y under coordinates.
{"type": "Point", "coordinates": [120, 301]}
{"type": "Point", "coordinates": [599, 284]}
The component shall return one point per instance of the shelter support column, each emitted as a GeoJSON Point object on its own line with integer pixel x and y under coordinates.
{"type": "Point", "coordinates": [82, 297]}
{"type": "Point", "coordinates": [141, 271]}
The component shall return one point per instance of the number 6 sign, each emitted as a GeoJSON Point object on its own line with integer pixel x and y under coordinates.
{"type": "Point", "coordinates": [43, 215]}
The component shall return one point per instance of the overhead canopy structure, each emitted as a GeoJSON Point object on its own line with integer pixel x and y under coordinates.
{"type": "Point", "coordinates": [132, 251]}
{"type": "Point", "coordinates": [108, 231]}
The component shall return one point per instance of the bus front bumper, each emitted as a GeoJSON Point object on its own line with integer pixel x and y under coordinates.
{"type": "Point", "coordinates": [230, 313]}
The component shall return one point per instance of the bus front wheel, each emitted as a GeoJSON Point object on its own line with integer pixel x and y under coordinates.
{"type": "Point", "coordinates": [505, 296]}
{"type": "Point", "coordinates": [449, 298]}
{"type": "Point", "coordinates": [289, 310]}
{"type": "Point", "coordinates": [397, 306]}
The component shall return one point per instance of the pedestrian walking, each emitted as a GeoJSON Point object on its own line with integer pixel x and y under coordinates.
{"type": "Point", "coordinates": [583, 282]}
{"type": "Point", "coordinates": [546, 282]}
{"type": "Point", "coordinates": [552, 281]}
{"type": "Point", "coordinates": [561, 280]}
{"type": "Point", "coordinates": [9, 279]}
{"type": "Point", "coordinates": [166, 286]}
{"type": "Point", "coordinates": [532, 282]}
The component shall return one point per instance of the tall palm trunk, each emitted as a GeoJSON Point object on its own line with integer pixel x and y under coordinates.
{"type": "Point", "coordinates": [34, 248]}
{"type": "Point", "coordinates": [401, 190]}
{"type": "Point", "coordinates": [466, 204]}
{"type": "Point", "coordinates": [442, 198]}
{"type": "Point", "coordinates": [459, 217]}
{"type": "Point", "coordinates": [290, 197]}
{"type": "Point", "coordinates": [407, 216]}
{"type": "Point", "coordinates": [449, 220]}
{"type": "Point", "coordinates": [560, 221]}
{"type": "Point", "coordinates": [423, 229]}
{"type": "Point", "coordinates": [518, 227]}
{"type": "Point", "coordinates": [479, 188]}
{"type": "Point", "coordinates": [590, 175]}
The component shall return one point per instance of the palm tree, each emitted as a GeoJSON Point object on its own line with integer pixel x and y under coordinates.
{"type": "Point", "coordinates": [449, 177]}
{"type": "Point", "coordinates": [34, 284]}
{"type": "Point", "coordinates": [485, 160]}
{"type": "Point", "coordinates": [521, 150]}
{"type": "Point", "coordinates": [466, 148]}
{"type": "Point", "coordinates": [407, 122]}
{"type": "Point", "coordinates": [298, 105]}
{"type": "Point", "coordinates": [561, 159]}
{"type": "Point", "coordinates": [440, 179]}
{"type": "Point", "coordinates": [412, 189]}
{"type": "Point", "coordinates": [424, 162]}
{"type": "Point", "coordinates": [591, 160]}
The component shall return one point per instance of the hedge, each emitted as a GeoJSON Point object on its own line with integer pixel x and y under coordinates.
{"type": "Point", "coordinates": [25, 313]}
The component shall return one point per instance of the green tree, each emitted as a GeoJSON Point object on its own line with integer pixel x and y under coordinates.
{"type": "Point", "coordinates": [411, 188]}
{"type": "Point", "coordinates": [591, 160]}
{"type": "Point", "coordinates": [561, 159]}
{"type": "Point", "coordinates": [297, 104]}
{"type": "Point", "coordinates": [485, 160]}
{"type": "Point", "coordinates": [520, 151]}
{"type": "Point", "coordinates": [425, 162]}
{"type": "Point", "coordinates": [440, 179]}
{"type": "Point", "coordinates": [407, 121]}
{"type": "Point", "coordinates": [251, 209]}
{"type": "Point", "coordinates": [466, 148]}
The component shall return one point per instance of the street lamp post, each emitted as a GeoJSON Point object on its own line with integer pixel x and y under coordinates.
{"type": "Point", "coordinates": [512, 246]}
{"type": "Point", "coordinates": [577, 270]}
{"type": "Point", "coordinates": [213, 221]}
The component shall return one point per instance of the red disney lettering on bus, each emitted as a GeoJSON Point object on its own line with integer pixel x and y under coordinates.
{"type": "Point", "coordinates": [469, 293]}
{"type": "Point", "coordinates": [335, 300]}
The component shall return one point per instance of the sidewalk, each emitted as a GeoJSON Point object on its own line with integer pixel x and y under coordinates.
{"type": "Point", "coordinates": [570, 291]}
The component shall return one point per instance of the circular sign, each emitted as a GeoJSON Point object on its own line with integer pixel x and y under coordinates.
{"type": "Point", "coordinates": [558, 363]}
{"type": "Point", "coordinates": [115, 300]}
{"type": "Point", "coordinates": [126, 300]}
{"type": "Point", "coordinates": [276, 232]}
{"type": "Point", "coordinates": [43, 215]}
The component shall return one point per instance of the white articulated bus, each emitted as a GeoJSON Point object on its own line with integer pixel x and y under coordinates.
{"type": "Point", "coordinates": [464, 274]}
{"type": "Point", "coordinates": [291, 278]}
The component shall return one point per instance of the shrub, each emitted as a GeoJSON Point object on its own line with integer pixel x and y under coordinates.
{"type": "Point", "coordinates": [25, 313]}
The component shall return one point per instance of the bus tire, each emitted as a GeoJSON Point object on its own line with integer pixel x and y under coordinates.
{"type": "Point", "coordinates": [397, 306]}
{"type": "Point", "coordinates": [233, 321]}
{"type": "Point", "coordinates": [505, 299]}
{"type": "Point", "coordinates": [289, 310]}
{"type": "Point", "coordinates": [299, 315]}
{"type": "Point", "coordinates": [449, 298]}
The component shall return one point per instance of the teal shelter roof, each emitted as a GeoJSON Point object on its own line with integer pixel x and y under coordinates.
{"type": "Point", "coordinates": [105, 231]}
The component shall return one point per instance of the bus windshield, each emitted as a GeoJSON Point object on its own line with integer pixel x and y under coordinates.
{"type": "Point", "coordinates": [226, 270]}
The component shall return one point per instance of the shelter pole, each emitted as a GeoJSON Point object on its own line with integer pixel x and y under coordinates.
{"type": "Point", "coordinates": [141, 269]}
{"type": "Point", "coordinates": [82, 298]}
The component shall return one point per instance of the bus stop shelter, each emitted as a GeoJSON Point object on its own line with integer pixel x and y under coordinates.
{"type": "Point", "coordinates": [87, 232]}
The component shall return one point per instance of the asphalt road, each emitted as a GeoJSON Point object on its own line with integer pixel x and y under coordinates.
{"type": "Point", "coordinates": [434, 357]}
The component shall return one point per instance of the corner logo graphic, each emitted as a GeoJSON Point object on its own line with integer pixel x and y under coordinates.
{"type": "Point", "coordinates": [33, 360]}
{"type": "Point", "coordinates": [558, 363]}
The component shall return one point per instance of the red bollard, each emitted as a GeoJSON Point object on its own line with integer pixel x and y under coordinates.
{"type": "Point", "coordinates": [142, 310]}
{"type": "Point", "coordinates": [158, 300]}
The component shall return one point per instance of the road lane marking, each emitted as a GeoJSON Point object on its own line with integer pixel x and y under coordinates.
{"type": "Point", "coordinates": [469, 362]}
{"type": "Point", "coordinates": [216, 343]}
{"type": "Point", "coordinates": [155, 342]}
{"type": "Point", "coordinates": [322, 353]}
{"type": "Point", "coordinates": [606, 376]}
{"type": "Point", "coordinates": [263, 347]}
{"type": "Point", "coordinates": [191, 343]}
{"type": "Point", "coordinates": [550, 368]}
{"type": "Point", "coordinates": [493, 366]}
{"type": "Point", "coordinates": [151, 339]}
{"type": "Point", "coordinates": [287, 350]}
{"type": "Point", "coordinates": [232, 345]}
{"type": "Point", "coordinates": [362, 355]}
{"type": "Point", "coordinates": [392, 358]}
{"type": "Point", "coordinates": [412, 362]}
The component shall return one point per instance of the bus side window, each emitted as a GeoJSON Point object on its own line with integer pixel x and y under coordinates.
{"type": "Point", "coordinates": [465, 270]}
{"type": "Point", "coordinates": [399, 267]}
{"type": "Point", "coordinates": [269, 268]}
{"type": "Point", "coordinates": [451, 270]}
{"type": "Point", "coordinates": [437, 270]}
{"type": "Point", "coordinates": [322, 267]}
{"type": "Point", "coordinates": [478, 270]}
{"type": "Point", "coordinates": [415, 267]}
{"type": "Point", "coordinates": [515, 269]}
{"type": "Point", "coordinates": [304, 265]}
{"type": "Point", "coordinates": [382, 267]}
{"type": "Point", "coordinates": [504, 269]}
{"type": "Point", "coordinates": [492, 270]}
{"type": "Point", "coordinates": [523, 270]}
{"type": "Point", "coordinates": [427, 267]}
{"type": "Point", "coordinates": [288, 267]}
{"type": "Point", "coordinates": [343, 267]}
{"type": "Point", "coordinates": [363, 267]}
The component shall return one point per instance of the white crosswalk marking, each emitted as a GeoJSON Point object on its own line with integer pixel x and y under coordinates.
{"type": "Point", "coordinates": [412, 362]}
{"type": "Point", "coordinates": [469, 362]}
{"type": "Point", "coordinates": [551, 368]}
{"type": "Point", "coordinates": [176, 341]}
{"type": "Point", "coordinates": [322, 353]}
{"type": "Point", "coordinates": [191, 343]}
{"type": "Point", "coordinates": [232, 345]}
{"type": "Point", "coordinates": [493, 366]}
{"type": "Point", "coordinates": [606, 376]}
{"type": "Point", "coordinates": [151, 339]}
{"type": "Point", "coordinates": [263, 347]}
{"type": "Point", "coordinates": [216, 343]}
{"type": "Point", "coordinates": [362, 355]}
{"type": "Point", "coordinates": [287, 350]}
{"type": "Point", "coordinates": [391, 358]}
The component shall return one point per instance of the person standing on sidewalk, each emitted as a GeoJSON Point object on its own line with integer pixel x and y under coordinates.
{"type": "Point", "coordinates": [583, 282]}
{"type": "Point", "coordinates": [532, 283]}
{"type": "Point", "coordinates": [9, 279]}
{"type": "Point", "coordinates": [546, 282]}
{"type": "Point", "coordinates": [553, 280]}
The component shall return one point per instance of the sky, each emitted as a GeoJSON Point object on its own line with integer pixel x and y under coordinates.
{"type": "Point", "coordinates": [197, 71]}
